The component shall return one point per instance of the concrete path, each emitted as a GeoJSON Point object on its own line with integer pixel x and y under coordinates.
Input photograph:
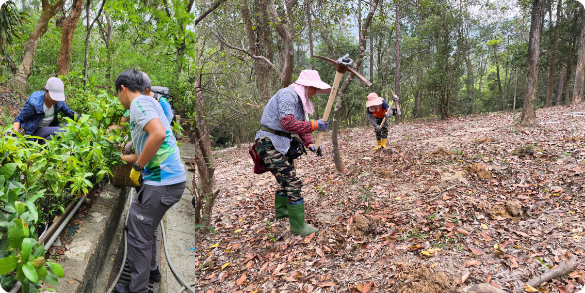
{"type": "Point", "coordinates": [180, 234]}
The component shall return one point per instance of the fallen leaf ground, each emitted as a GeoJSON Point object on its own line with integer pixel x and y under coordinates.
{"type": "Point", "coordinates": [474, 199]}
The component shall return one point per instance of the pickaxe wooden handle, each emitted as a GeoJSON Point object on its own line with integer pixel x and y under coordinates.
{"type": "Point", "coordinates": [339, 71]}
{"type": "Point", "coordinates": [393, 102]}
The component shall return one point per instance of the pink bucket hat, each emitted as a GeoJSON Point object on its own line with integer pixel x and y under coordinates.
{"type": "Point", "coordinates": [374, 100]}
{"type": "Point", "coordinates": [311, 78]}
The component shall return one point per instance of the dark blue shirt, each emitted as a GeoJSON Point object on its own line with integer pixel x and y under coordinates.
{"type": "Point", "coordinates": [31, 116]}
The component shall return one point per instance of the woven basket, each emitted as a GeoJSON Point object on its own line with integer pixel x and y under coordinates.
{"type": "Point", "coordinates": [121, 176]}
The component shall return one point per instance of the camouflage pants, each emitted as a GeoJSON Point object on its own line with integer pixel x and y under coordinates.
{"type": "Point", "coordinates": [383, 132]}
{"type": "Point", "coordinates": [282, 168]}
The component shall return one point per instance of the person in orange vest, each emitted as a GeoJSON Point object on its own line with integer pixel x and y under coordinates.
{"type": "Point", "coordinates": [377, 108]}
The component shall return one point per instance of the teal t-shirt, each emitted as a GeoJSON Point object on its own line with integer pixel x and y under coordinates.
{"type": "Point", "coordinates": [165, 168]}
{"type": "Point", "coordinates": [166, 106]}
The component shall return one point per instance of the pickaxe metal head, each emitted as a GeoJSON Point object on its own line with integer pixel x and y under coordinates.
{"type": "Point", "coordinates": [342, 65]}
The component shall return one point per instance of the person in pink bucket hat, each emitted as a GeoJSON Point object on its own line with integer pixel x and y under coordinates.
{"type": "Point", "coordinates": [285, 114]}
{"type": "Point", "coordinates": [377, 108]}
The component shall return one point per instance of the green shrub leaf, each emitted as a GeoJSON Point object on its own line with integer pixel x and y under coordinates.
{"type": "Point", "coordinates": [8, 265]}
{"type": "Point", "coordinates": [42, 271]}
{"type": "Point", "coordinates": [19, 206]}
{"type": "Point", "coordinates": [27, 246]}
{"type": "Point", "coordinates": [16, 234]}
{"type": "Point", "coordinates": [51, 279]}
{"type": "Point", "coordinates": [57, 269]}
{"type": "Point", "coordinates": [30, 272]}
{"type": "Point", "coordinates": [7, 170]}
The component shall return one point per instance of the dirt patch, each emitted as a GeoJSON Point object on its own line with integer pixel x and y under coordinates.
{"type": "Point", "coordinates": [384, 172]}
{"type": "Point", "coordinates": [514, 208]}
{"type": "Point", "coordinates": [459, 175]}
{"type": "Point", "coordinates": [480, 170]}
{"type": "Point", "coordinates": [506, 210]}
{"type": "Point", "coordinates": [484, 140]}
{"type": "Point", "coordinates": [363, 226]}
{"type": "Point", "coordinates": [573, 139]}
{"type": "Point", "coordinates": [423, 281]}
{"type": "Point", "coordinates": [441, 152]}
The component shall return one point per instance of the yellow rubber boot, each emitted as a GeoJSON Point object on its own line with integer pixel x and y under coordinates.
{"type": "Point", "coordinates": [378, 146]}
{"type": "Point", "coordinates": [383, 143]}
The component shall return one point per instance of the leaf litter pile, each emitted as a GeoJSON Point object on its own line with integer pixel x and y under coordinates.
{"type": "Point", "coordinates": [470, 200]}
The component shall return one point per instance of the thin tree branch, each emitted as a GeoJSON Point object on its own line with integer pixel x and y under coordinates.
{"type": "Point", "coordinates": [247, 53]}
{"type": "Point", "coordinates": [207, 12]}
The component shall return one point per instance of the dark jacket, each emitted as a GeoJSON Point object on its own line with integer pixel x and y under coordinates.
{"type": "Point", "coordinates": [31, 116]}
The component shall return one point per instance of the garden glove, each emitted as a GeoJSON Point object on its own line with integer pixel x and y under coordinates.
{"type": "Point", "coordinates": [320, 125]}
{"type": "Point", "coordinates": [388, 114]}
{"type": "Point", "coordinates": [10, 132]}
{"type": "Point", "coordinates": [319, 151]}
{"type": "Point", "coordinates": [396, 98]}
{"type": "Point", "coordinates": [135, 175]}
{"type": "Point", "coordinates": [377, 128]}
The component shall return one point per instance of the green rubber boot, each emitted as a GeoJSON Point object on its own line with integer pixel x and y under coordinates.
{"type": "Point", "coordinates": [280, 208]}
{"type": "Point", "coordinates": [296, 216]}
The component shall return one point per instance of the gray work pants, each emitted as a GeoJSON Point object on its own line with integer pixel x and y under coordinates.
{"type": "Point", "coordinates": [148, 207]}
{"type": "Point", "coordinates": [47, 132]}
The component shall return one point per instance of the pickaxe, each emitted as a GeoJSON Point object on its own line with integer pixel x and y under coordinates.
{"type": "Point", "coordinates": [341, 67]}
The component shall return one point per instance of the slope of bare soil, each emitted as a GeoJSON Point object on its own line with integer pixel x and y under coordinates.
{"type": "Point", "coordinates": [449, 203]}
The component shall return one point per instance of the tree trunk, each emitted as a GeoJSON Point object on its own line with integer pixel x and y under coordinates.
{"type": "Point", "coordinates": [481, 72]}
{"type": "Point", "coordinates": [339, 165]}
{"type": "Point", "coordinates": [106, 33]}
{"type": "Point", "coordinates": [580, 73]}
{"type": "Point", "coordinates": [89, 27]}
{"type": "Point", "coordinates": [551, 73]}
{"type": "Point", "coordinates": [416, 99]}
{"type": "Point", "coordinates": [259, 44]}
{"type": "Point", "coordinates": [283, 29]}
{"type": "Point", "coordinates": [528, 111]}
{"type": "Point", "coordinates": [206, 195]}
{"type": "Point", "coordinates": [498, 79]}
{"type": "Point", "coordinates": [397, 74]}
{"type": "Point", "coordinates": [21, 77]}
{"type": "Point", "coordinates": [360, 68]}
{"type": "Point", "coordinates": [560, 87]}
{"type": "Point", "coordinates": [310, 26]}
{"type": "Point", "coordinates": [515, 88]}
{"type": "Point", "coordinates": [69, 25]}
{"type": "Point", "coordinates": [569, 71]}
{"type": "Point", "coordinates": [469, 79]}
{"type": "Point", "coordinates": [371, 53]}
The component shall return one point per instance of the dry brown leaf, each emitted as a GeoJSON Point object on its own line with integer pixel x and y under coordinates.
{"type": "Point", "coordinates": [463, 278]}
{"type": "Point", "coordinates": [241, 280]}
{"type": "Point", "coordinates": [581, 279]}
{"type": "Point", "coordinates": [529, 288]}
{"type": "Point", "coordinates": [476, 251]}
{"type": "Point", "coordinates": [280, 267]}
{"type": "Point", "coordinates": [464, 232]}
{"type": "Point", "coordinates": [328, 284]}
{"type": "Point", "coordinates": [319, 251]}
{"type": "Point", "coordinates": [367, 287]}
{"type": "Point", "coordinates": [472, 262]}
{"type": "Point", "coordinates": [70, 282]}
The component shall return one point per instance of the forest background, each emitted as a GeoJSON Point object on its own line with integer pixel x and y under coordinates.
{"type": "Point", "coordinates": [443, 58]}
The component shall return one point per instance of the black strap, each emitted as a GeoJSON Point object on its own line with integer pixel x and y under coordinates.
{"type": "Point", "coordinates": [277, 132]}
